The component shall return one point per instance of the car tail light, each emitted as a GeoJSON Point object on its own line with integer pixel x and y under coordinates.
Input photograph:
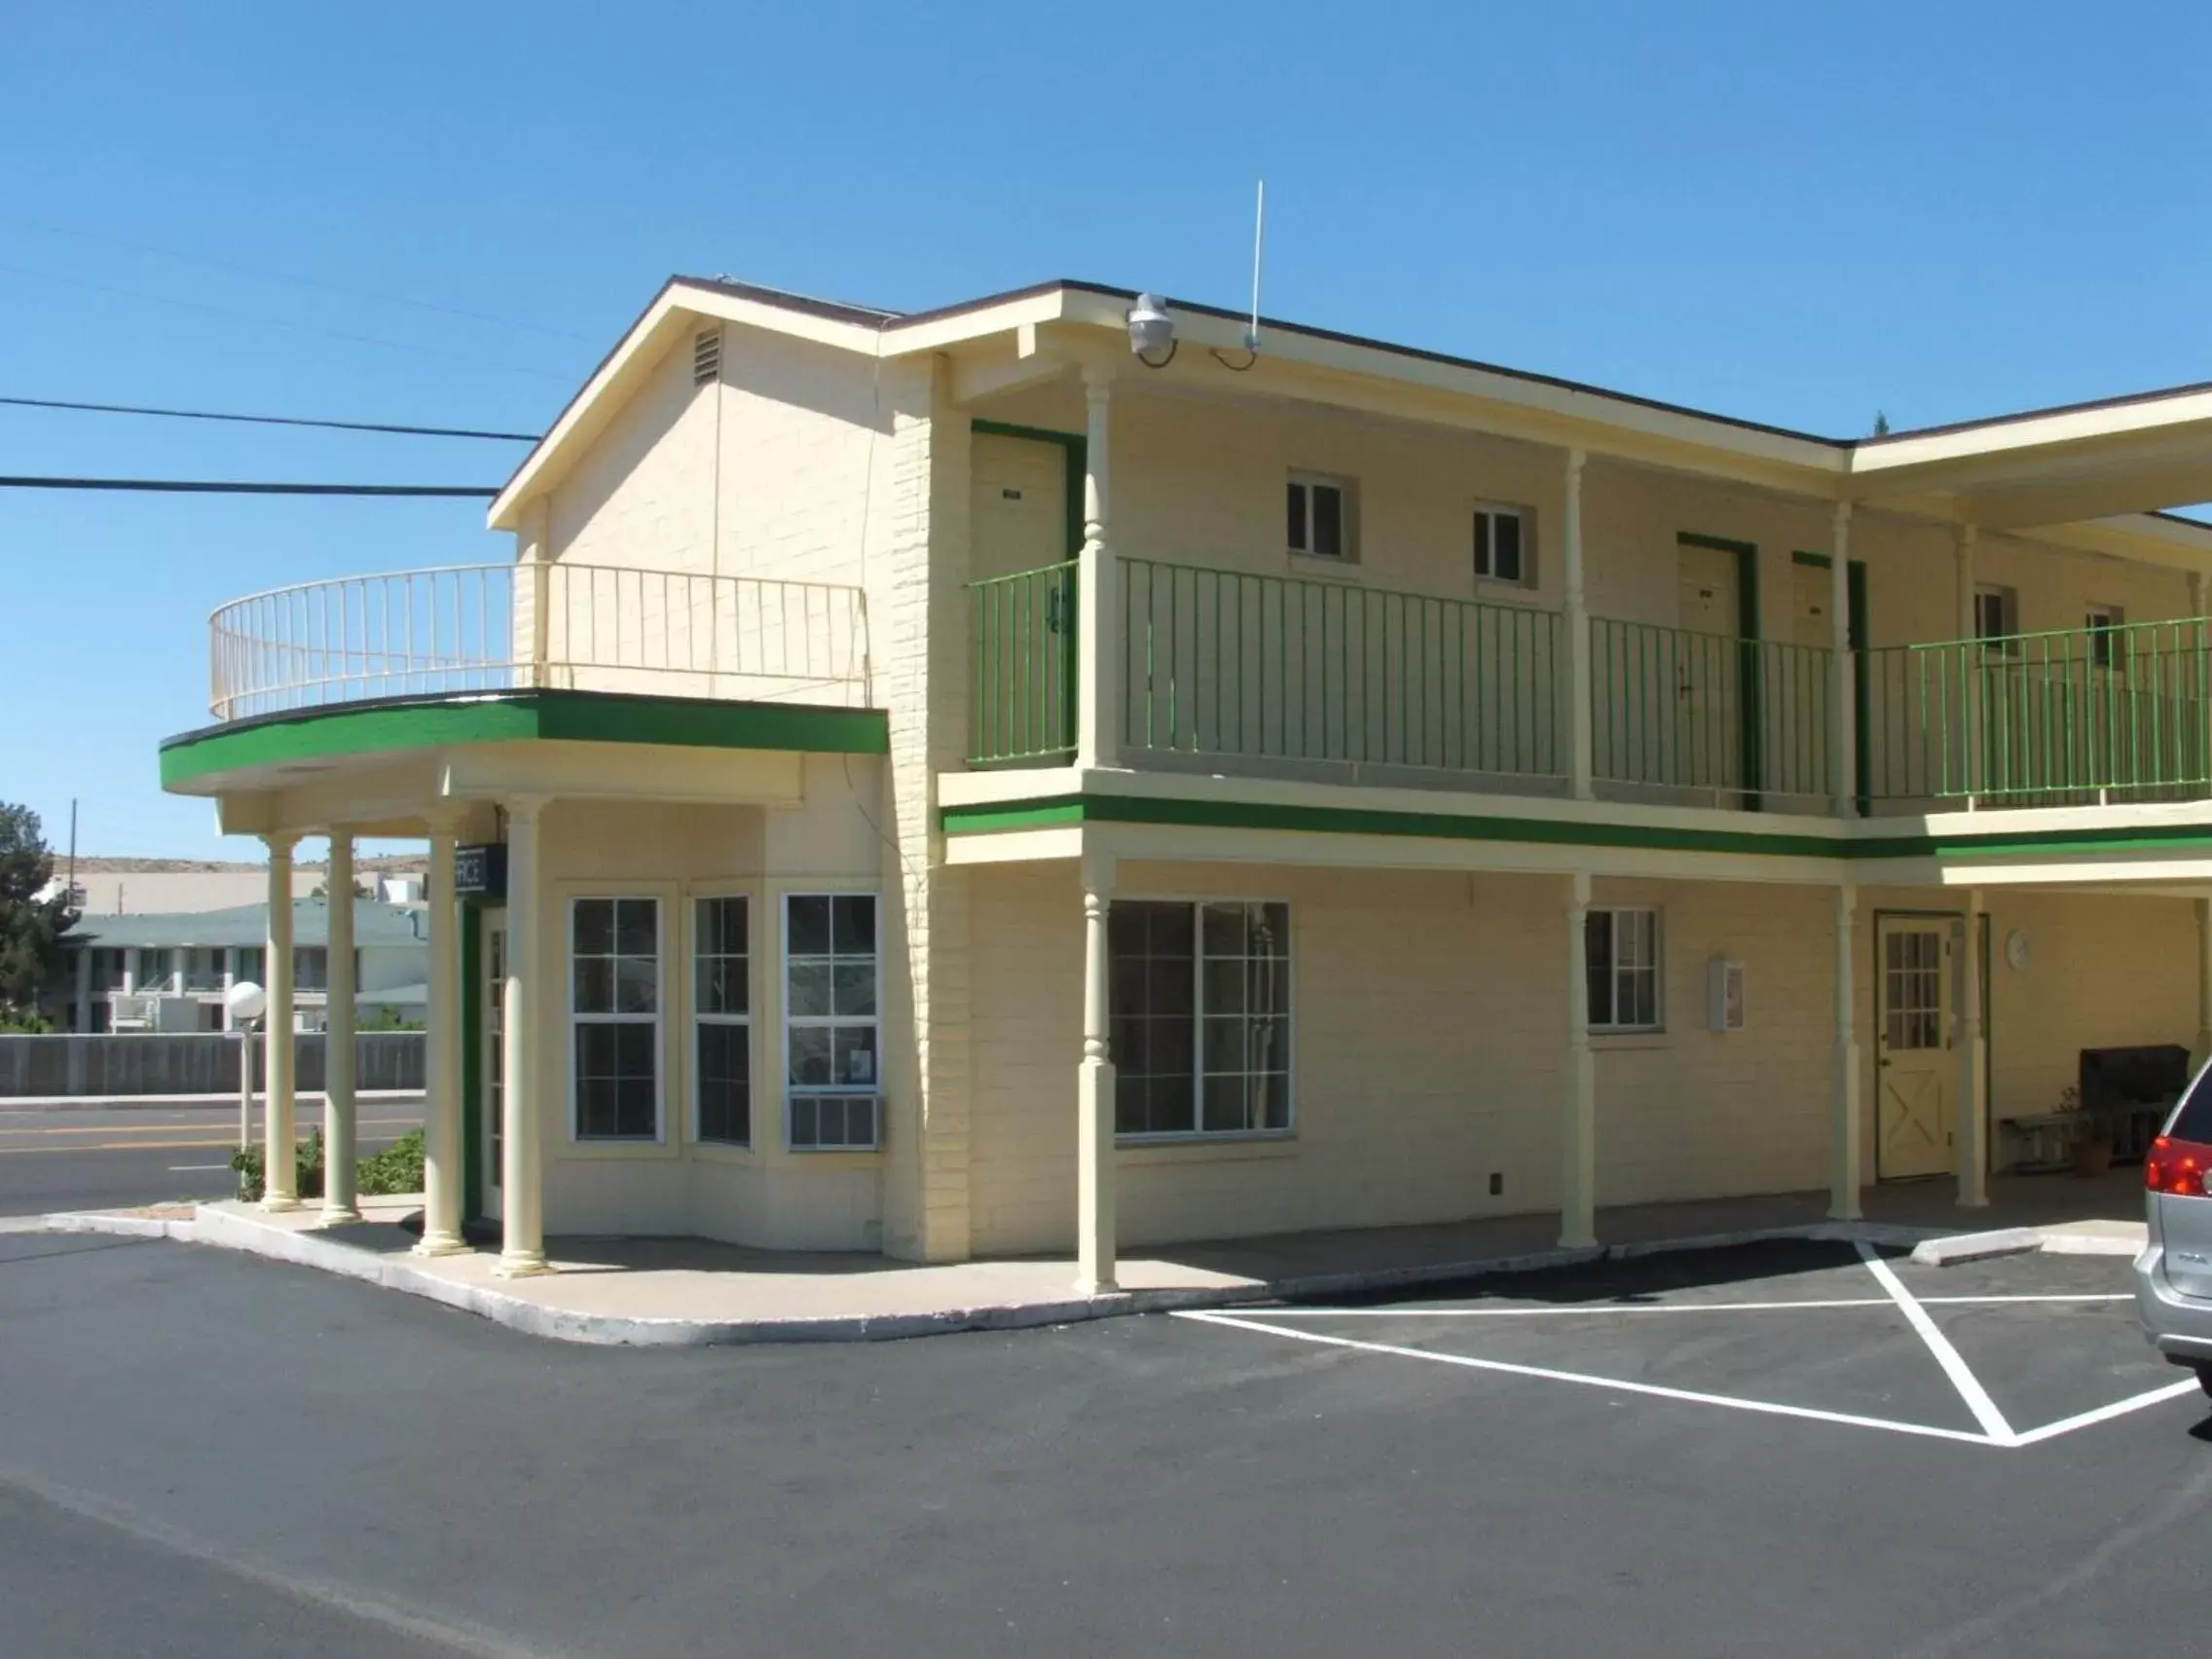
{"type": "Point", "coordinates": [2178, 1167]}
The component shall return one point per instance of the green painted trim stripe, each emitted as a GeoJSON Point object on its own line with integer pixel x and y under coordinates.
{"type": "Point", "coordinates": [1818, 560]}
{"type": "Point", "coordinates": [1719, 543]}
{"type": "Point", "coordinates": [511, 717]}
{"type": "Point", "coordinates": [1061, 811]}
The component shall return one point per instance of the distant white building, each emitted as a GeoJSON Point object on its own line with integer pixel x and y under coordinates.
{"type": "Point", "coordinates": [169, 971]}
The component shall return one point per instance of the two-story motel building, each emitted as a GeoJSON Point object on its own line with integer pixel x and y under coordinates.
{"type": "Point", "coordinates": [966, 790]}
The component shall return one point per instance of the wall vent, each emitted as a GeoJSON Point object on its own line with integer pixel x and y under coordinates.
{"type": "Point", "coordinates": [706, 356]}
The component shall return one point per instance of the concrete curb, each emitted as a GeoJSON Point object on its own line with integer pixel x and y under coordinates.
{"type": "Point", "coordinates": [226, 1230]}
{"type": "Point", "coordinates": [1976, 1246]}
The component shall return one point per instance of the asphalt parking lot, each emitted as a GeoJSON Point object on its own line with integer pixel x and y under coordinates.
{"type": "Point", "coordinates": [1747, 1452]}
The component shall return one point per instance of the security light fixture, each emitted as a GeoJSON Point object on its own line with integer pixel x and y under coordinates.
{"type": "Point", "coordinates": [246, 1000]}
{"type": "Point", "coordinates": [1152, 331]}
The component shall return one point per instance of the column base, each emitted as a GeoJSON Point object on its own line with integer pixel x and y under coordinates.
{"type": "Point", "coordinates": [522, 1266]}
{"type": "Point", "coordinates": [1096, 1287]}
{"type": "Point", "coordinates": [440, 1245]}
{"type": "Point", "coordinates": [278, 1203]}
{"type": "Point", "coordinates": [1846, 1211]}
{"type": "Point", "coordinates": [340, 1215]}
{"type": "Point", "coordinates": [1578, 1242]}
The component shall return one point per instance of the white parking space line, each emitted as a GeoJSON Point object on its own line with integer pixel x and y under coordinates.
{"type": "Point", "coordinates": [2104, 1414]}
{"type": "Point", "coordinates": [1968, 1384]}
{"type": "Point", "coordinates": [1586, 1309]}
{"type": "Point", "coordinates": [187, 1168]}
{"type": "Point", "coordinates": [1766, 1407]}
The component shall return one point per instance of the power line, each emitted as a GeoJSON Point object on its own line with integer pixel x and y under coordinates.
{"type": "Point", "coordinates": [269, 419]}
{"type": "Point", "coordinates": [323, 283]}
{"type": "Point", "coordinates": [230, 487]}
{"type": "Point", "coordinates": [251, 320]}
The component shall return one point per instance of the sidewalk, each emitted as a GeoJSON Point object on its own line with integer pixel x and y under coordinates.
{"type": "Point", "coordinates": [135, 1102]}
{"type": "Point", "coordinates": [657, 1292]}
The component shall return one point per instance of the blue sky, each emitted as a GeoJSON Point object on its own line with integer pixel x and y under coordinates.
{"type": "Point", "coordinates": [1796, 213]}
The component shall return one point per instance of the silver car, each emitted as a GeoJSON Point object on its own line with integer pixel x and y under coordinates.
{"type": "Point", "coordinates": [2173, 1275]}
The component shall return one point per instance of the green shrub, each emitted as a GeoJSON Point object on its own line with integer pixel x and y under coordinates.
{"type": "Point", "coordinates": [398, 1168]}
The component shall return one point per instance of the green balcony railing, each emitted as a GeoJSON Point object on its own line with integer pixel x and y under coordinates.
{"type": "Point", "coordinates": [1672, 709]}
{"type": "Point", "coordinates": [1230, 663]}
{"type": "Point", "coordinates": [2074, 716]}
{"type": "Point", "coordinates": [1026, 666]}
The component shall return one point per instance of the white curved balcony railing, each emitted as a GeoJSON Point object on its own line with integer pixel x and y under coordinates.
{"type": "Point", "coordinates": [500, 627]}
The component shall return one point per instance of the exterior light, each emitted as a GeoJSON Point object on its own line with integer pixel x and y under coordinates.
{"type": "Point", "coordinates": [246, 1000]}
{"type": "Point", "coordinates": [1152, 330]}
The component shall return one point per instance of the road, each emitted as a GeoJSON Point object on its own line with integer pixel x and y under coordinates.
{"type": "Point", "coordinates": [204, 1453]}
{"type": "Point", "coordinates": [104, 1157]}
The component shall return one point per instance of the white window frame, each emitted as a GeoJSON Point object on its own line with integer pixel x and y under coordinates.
{"type": "Point", "coordinates": [696, 1020]}
{"type": "Point", "coordinates": [2100, 622]}
{"type": "Point", "coordinates": [657, 1019]}
{"type": "Point", "coordinates": [1616, 969]}
{"type": "Point", "coordinates": [1480, 519]}
{"type": "Point", "coordinates": [1198, 1133]}
{"type": "Point", "coordinates": [2008, 614]}
{"type": "Point", "coordinates": [1347, 516]}
{"type": "Point", "coordinates": [787, 1022]}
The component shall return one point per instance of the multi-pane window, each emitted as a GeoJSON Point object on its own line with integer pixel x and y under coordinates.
{"type": "Point", "coordinates": [722, 1014]}
{"type": "Point", "coordinates": [1622, 947]}
{"type": "Point", "coordinates": [1321, 516]}
{"type": "Point", "coordinates": [832, 1029]}
{"type": "Point", "coordinates": [1501, 553]}
{"type": "Point", "coordinates": [1913, 991]}
{"type": "Point", "coordinates": [614, 1017]}
{"type": "Point", "coordinates": [1199, 1000]}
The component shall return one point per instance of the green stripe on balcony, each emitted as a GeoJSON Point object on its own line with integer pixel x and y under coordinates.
{"type": "Point", "coordinates": [509, 716]}
{"type": "Point", "coordinates": [1061, 811]}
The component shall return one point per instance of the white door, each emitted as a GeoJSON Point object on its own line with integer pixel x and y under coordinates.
{"type": "Point", "coordinates": [1708, 738]}
{"type": "Point", "coordinates": [492, 1063]}
{"type": "Point", "coordinates": [1914, 1065]}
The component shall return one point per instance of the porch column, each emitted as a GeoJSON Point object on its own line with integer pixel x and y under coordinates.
{"type": "Point", "coordinates": [1969, 665]}
{"type": "Point", "coordinates": [1844, 1105]}
{"type": "Point", "coordinates": [279, 1179]}
{"type": "Point", "coordinates": [441, 1043]}
{"type": "Point", "coordinates": [1580, 716]}
{"type": "Point", "coordinates": [1843, 716]}
{"type": "Point", "coordinates": [1972, 1139]}
{"type": "Point", "coordinates": [522, 1247]}
{"type": "Point", "coordinates": [1578, 1120]}
{"type": "Point", "coordinates": [340, 1140]}
{"type": "Point", "coordinates": [1095, 1222]}
{"type": "Point", "coordinates": [1099, 621]}
{"type": "Point", "coordinates": [2201, 1050]}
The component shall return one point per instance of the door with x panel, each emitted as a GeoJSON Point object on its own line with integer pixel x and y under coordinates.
{"type": "Point", "coordinates": [1917, 1072]}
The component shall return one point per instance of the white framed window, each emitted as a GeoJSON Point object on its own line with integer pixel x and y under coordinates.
{"type": "Point", "coordinates": [1996, 613]}
{"type": "Point", "coordinates": [721, 1014]}
{"type": "Point", "coordinates": [2103, 621]}
{"type": "Point", "coordinates": [614, 1014]}
{"type": "Point", "coordinates": [1504, 548]}
{"type": "Point", "coordinates": [1199, 994]}
{"type": "Point", "coordinates": [1320, 518]}
{"type": "Point", "coordinates": [1622, 946]}
{"type": "Point", "coordinates": [832, 1030]}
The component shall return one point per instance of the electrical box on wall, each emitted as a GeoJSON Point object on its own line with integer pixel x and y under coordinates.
{"type": "Point", "coordinates": [1724, 995]}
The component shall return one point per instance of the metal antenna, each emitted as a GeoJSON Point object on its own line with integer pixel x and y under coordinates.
{"type": "Point", "coordinates": [1259, 241]}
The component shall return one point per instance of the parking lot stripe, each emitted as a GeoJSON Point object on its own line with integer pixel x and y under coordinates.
{"type": "Point", "coordinates": [2105, 1413]}
{"type": "Point", "coordinates": [1766, 1407]}
{"type": "Point", "coordinates": [1968, 1386]}
{"type": "Point", "coordinates": [1587, 1309]}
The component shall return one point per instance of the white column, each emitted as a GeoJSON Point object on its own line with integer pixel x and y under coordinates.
{"type": "Point", "coordinates": [1098, 639]}
{"type": "Point", "coordinates": [1968, 687]}
{"type": "Point", "coordinates": [441, 1042]}
{"type": "Point", "coordinates": [1580, 713]}
{"type": "Point", "coordinates": [340, 1141]}
{"type": "Point", "coordinates": [522, 1247]}
{"type": "Point", "coordinates": [1578, 1117]}
{"type": "Point", "coordinates": [1972, 1139]}
{"type": "Point", "coordinates": [1844, 1179]}
{"type": "Point", "coordinates": [2201, 1050]}
{"type": "Point", "coordinates": [1843, 717]}
{"type": "Point", "coordinates": [1096, 1221]}
{"type": "Point", "coordinates": [280, 1176]}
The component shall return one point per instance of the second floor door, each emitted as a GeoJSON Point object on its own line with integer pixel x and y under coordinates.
{"type": "Point", "coordinates": [1021, 563]}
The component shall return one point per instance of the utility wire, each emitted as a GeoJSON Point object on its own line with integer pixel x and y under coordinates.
{"type": "Point", "coordinates": [252, 320]}
{"type": "Point", "coordinates": [289, 276]}
{"type": "Point", "coordinates": [228, 486]}
{"type": "Point", "coordinates": [267, 420]}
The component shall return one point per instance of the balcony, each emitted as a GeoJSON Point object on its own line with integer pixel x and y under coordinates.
{"type": "Point", "coordinates": [1333, 681]}
{"type": "Point", "coordinates": [504, 627]}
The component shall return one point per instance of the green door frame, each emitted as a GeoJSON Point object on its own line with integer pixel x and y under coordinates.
{"type": "Point", "coordinates": [472, 1058]}
{"type": "Point", "coordinates": [1749, 701]}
